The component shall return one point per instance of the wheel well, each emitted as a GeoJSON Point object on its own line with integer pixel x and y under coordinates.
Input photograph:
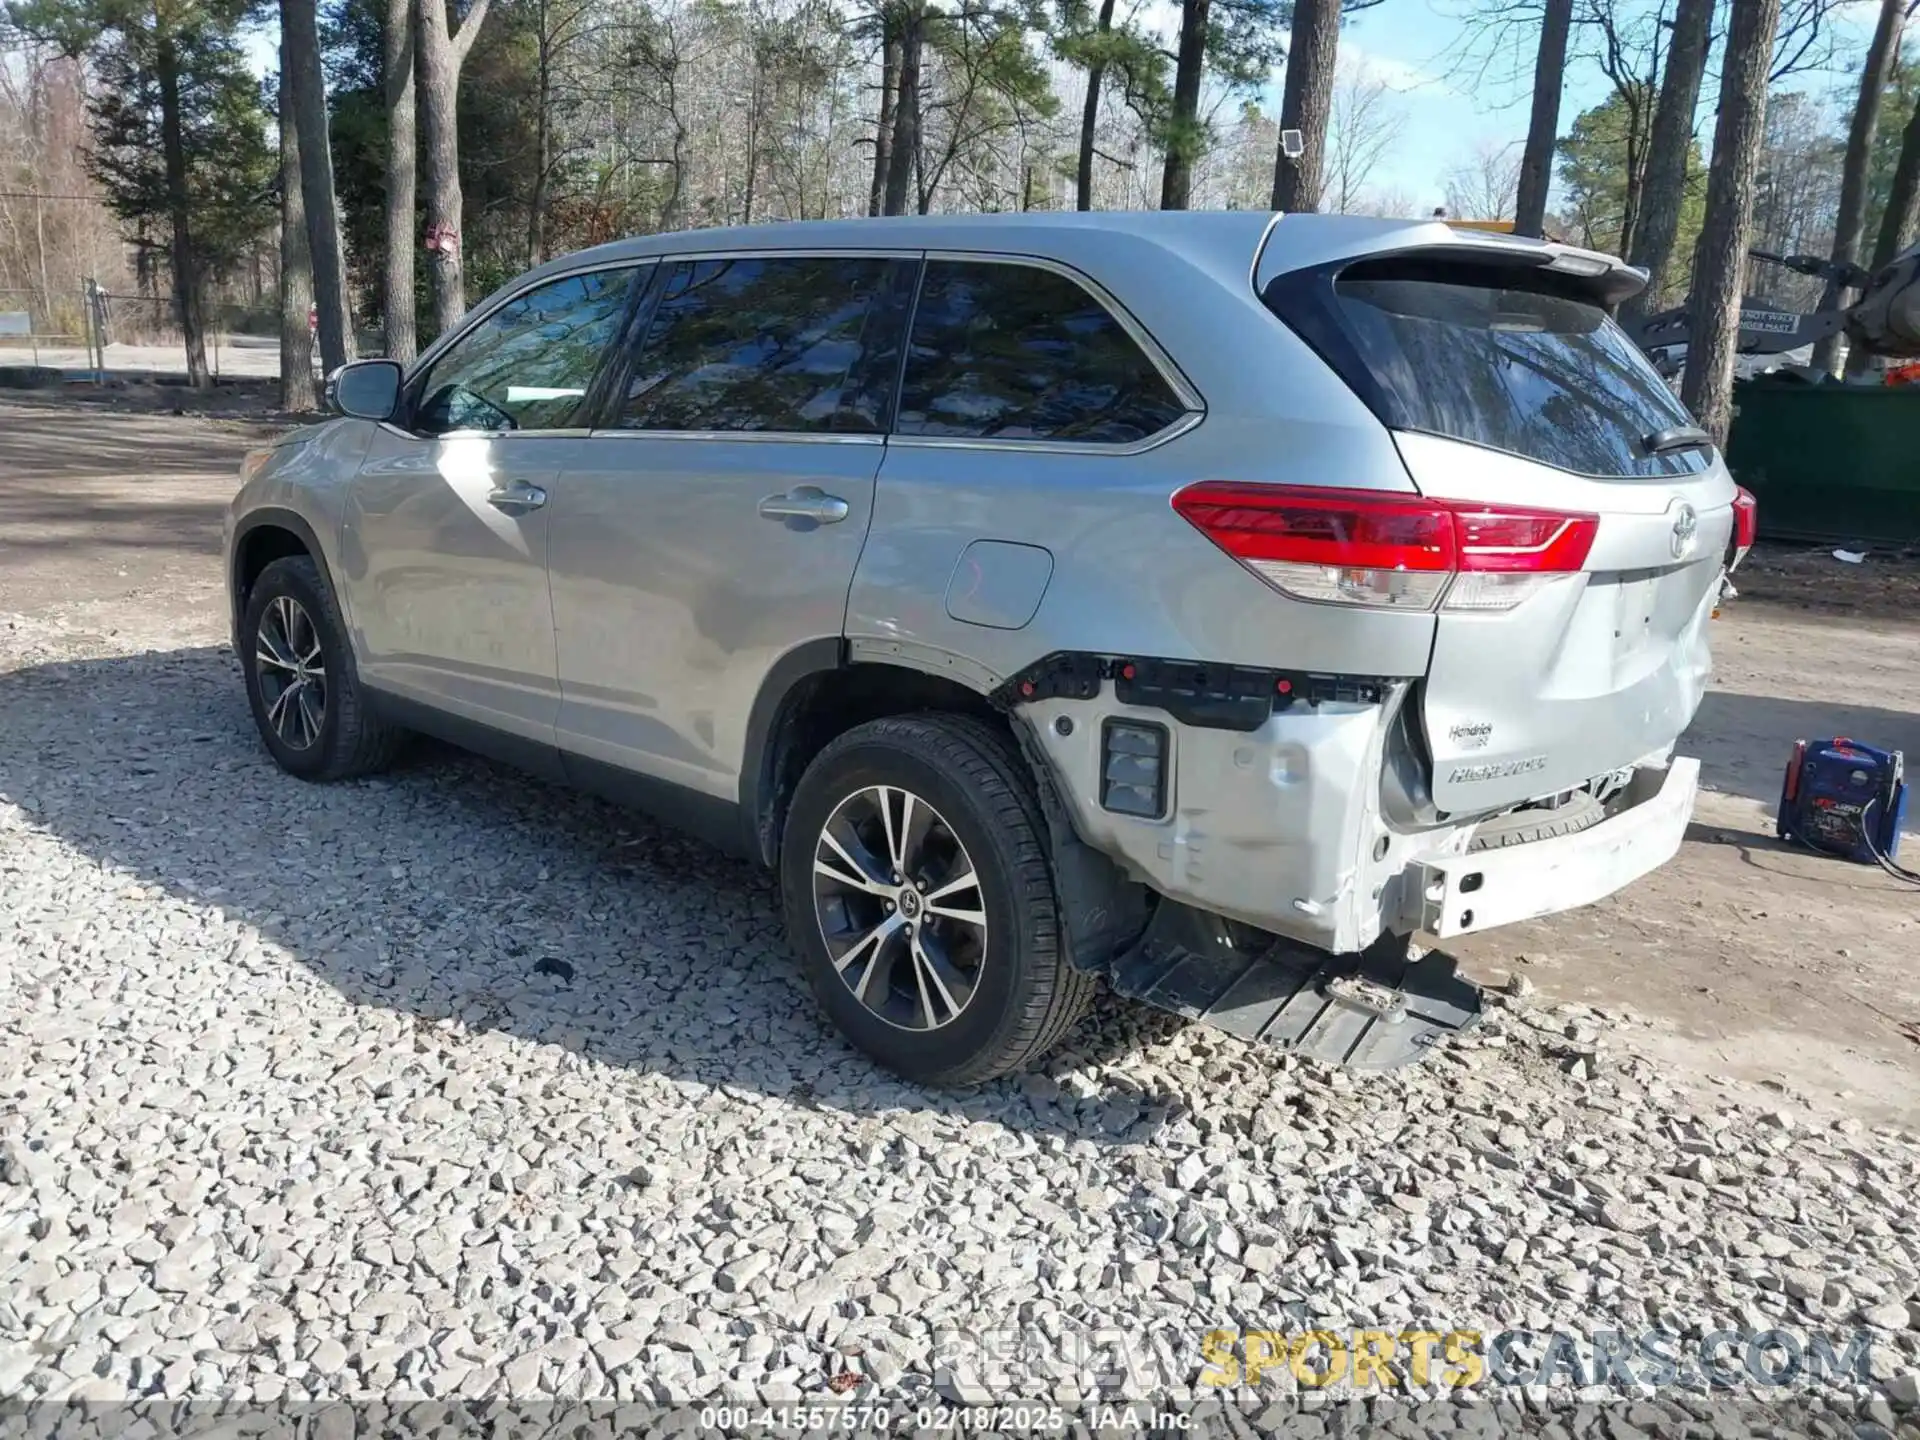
{"type": "Point", "coordinates": [825, 705]}
{"type": "Point", "coordinates": [259, 548]}
{"type": "Point", "coordinates": [1103, 910]}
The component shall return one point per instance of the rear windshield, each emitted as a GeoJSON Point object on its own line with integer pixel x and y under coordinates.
{"type": "Point", "coordinates": [1540, 374]}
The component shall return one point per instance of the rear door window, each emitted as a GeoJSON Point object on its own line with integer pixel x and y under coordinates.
{"type": "Point", "coordinates": [1008, 351]}
{"type": "Point", "coordinates": [794, 344]}
{"type": "Point", "coordinates": [1509, 362]}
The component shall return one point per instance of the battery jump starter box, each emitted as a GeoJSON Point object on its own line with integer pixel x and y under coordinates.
{"type": "Point", "coordinates": [1844, 798]}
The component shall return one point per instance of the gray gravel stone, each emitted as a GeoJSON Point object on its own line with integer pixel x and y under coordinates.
{"type": "Point", "coordinates": [1891, 1316]}
{"type": "Point", "coordinates": [286, 1111]}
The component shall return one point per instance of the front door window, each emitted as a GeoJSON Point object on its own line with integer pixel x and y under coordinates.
{"type": "Point", "coordinates": [526, 366]}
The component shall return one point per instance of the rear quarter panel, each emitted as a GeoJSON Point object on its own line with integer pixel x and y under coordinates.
{"type": "Point", "coordinates": [1130, 577]}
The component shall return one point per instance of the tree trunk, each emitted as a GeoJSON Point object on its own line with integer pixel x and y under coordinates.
{"type": "Point", "coordinates": [1851, 216]}
{"type": "Point", "coordinates": [542, 142]}
{"type": "Point", "coordinates": [1902, 217]}
{"type": "Point", "coordinates": [921, 188]}
{"type": "Point", "coordinates": [1090, 114]}
{"type": "Point", "coordinates": [1721, 264]}
{"type": "Point", "coordinates": [670, 212]}
{"type": "Point", "coordinates": [1543, 127]}
{"type": "Point", "coordinates": [300, 72]}
{"type": "Point", "coordinates": [1183, 139]}
{"type": "Point", "coordinates": [397, 302]}
{"type": "Point", "coordinates": [438, 55]}
{"type": "Point", "coordinates": [1306, 104]}
{"type": "Point", "coordinates": [185, 265]}
{"type": "Point", "coordinates": [883, 131]}
{"type": "Point", "coordinates": [1636, 177]}
{"type": "Point", "coordinates": [297, 394]}
{"type": "Point", "coordinates": [1669, 147]}
{"type": "Point", "coordinates": [906, 114]}
{"type": "Point", "coordinates": [755, 118]}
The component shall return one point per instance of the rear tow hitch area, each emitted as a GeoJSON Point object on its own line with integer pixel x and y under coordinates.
{"type": "Point", "coordinates": [1377, 1010]}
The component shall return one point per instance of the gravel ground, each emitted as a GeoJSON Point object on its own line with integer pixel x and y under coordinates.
{"type": "Point", "coordinates": [451, 1084]}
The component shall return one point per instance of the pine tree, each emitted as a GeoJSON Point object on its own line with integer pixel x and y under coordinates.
{"type": "Point", "coordinates": [179, 134]}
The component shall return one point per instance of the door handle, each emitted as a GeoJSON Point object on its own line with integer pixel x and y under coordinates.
{"type": "Point", "coordinates": [805, 503]}
{"type": "Point", "coordinates": [517, 499]}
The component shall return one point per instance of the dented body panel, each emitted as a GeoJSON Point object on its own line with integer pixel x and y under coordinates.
{"type": "Point", "coordinates": [1277, 827]}
{"type": "Point", "coordinates": [1285, 828]}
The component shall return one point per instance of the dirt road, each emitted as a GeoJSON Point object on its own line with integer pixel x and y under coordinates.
{"type": "Point", "coordinates": [110, 522]}
{"type": "Point", "coordinates": [1750, 964]}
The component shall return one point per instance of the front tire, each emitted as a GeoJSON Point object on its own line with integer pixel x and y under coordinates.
{"type": "Point", "coordinates": [920, 898]}
{"type": "Point", "coordinates": [301, 680]}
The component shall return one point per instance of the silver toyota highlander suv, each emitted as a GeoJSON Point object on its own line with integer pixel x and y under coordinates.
{"type": "Point", "coordinates": [1205, 603]}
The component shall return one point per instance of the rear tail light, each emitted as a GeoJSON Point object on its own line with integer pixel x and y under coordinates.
{"type": "Point", "coordinates": [1746, 523]}
{"type": "Point", "coordinates": [1389, 551]}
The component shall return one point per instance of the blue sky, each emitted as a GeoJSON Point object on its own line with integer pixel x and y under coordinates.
{"type": "Point", "coordinates": [1407, 42]}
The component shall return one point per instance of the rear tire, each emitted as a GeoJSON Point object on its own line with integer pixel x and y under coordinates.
{"type": "Point", "coordinates": [935, 998]}
{"type": "Point", "coordinates": [301, 680]}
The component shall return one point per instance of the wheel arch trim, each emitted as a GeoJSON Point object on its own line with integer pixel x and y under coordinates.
{"type": "Point", "coordinates": [273, 517]}
{"type": "Point", "coordinates": [778, 688]}
{"type": "Point", "coordinates": [784, 684]}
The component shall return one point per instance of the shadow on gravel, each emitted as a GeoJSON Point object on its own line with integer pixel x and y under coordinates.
{"type": "Point", "coordinates": [1744, 741]}
{"type": "Point", "coordinates": [453, 888]}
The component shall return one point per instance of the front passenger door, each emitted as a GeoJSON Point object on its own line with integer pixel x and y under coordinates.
{"type": "Point", "coordinates": [445, 535]}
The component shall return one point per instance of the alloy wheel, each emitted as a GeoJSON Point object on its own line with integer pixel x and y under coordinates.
{"type": "Point", "coordinates": [292, 672]}
{"type": "Point", "coordinates": [900, 907]}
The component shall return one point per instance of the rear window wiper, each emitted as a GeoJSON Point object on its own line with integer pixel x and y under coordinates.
{"type": "Point", "coordinates": [1677, 437]}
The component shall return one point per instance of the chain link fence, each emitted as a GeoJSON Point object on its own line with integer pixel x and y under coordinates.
{"type": "Point", "coordinates": [46, 328]}
{"type": "Point", "coordinates": [92, 334]}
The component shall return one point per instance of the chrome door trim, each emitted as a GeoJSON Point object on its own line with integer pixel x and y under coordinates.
{"type": "Point", "coordinates": [768, 437]}
{"type": "Point", "coordinates": [577, 433]}
{"type": "Point", "coordinates": [1051, 447]}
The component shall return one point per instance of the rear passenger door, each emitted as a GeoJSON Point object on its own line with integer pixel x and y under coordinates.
{"type": "Point", "coordinates": [717, 521]}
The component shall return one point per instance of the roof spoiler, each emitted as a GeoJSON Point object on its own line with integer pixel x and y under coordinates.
{"type": "Point", "coordinates": [1607, 277]}
{"type": "Point", "coordinates": [1298, 242]}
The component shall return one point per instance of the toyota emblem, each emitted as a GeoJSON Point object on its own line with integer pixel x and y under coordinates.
{"type": "Point", "coordinates": [1686, 524]}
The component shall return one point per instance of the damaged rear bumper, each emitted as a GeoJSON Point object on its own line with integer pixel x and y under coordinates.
{"type": "Point", "coordinates": [1279, 826]}
{"type": "Point", "coordinates": [1283, 825]}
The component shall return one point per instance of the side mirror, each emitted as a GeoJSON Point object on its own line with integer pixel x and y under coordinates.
{"type": "Point", "coordinates": [365, 389]}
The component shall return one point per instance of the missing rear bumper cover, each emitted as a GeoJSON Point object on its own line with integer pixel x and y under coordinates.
{"type": "Point", "coordinates": [1194, 692]}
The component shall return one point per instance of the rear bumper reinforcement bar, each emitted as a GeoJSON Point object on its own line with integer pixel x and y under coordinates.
{"type": "Point", "coordinates": [1477, 891]}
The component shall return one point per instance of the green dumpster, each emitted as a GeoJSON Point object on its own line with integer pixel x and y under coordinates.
{"type": "Point", "coordinates": [1829, 462]}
